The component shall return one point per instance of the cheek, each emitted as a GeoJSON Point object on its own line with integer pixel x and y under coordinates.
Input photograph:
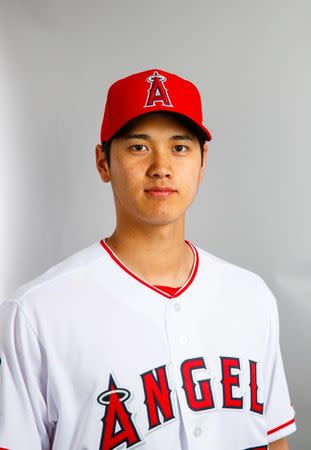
{"type": "Point", "coordinates": [131, 175]}
{"type": "Point", "coordinates": [126, 178]}
{"type": "Point", "coordinates": [189, 180]}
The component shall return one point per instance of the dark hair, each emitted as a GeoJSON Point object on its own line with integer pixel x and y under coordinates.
{"type": "Point", "coordinates": [183, 120]}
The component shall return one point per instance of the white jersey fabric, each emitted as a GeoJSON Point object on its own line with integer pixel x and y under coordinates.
{"type": "Point", "coordinates": [95, 358]}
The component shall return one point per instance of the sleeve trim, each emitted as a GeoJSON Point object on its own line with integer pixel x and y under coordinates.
{"type": "Point", "coordinates": [279, 427]}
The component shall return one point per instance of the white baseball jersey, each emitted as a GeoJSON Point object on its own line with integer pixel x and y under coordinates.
{"type": "Point", "coordinates": [95, 358]}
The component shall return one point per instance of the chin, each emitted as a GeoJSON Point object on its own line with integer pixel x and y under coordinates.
{"type": "Point", "coordinates": [162, 219]}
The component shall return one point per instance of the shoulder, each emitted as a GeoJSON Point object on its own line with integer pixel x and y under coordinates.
{"type": "Point", "coordinates": [236, 280]}
{"type": "Point", "coordinates": [60, 279]}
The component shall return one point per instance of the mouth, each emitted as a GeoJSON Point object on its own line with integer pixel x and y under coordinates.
{"type": "Point", "coordinates": [160, 192]}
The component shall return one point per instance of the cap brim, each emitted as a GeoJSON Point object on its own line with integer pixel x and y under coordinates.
{"type": "Point", "coordinates": [200, 130]}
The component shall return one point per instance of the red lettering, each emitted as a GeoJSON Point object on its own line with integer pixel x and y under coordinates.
{"type": "Point", "coordinates": [157, 396]}
{"type": "Point", "coordinates": [206, 401]}
{"type": "Point", "coordinates": [228, 380]}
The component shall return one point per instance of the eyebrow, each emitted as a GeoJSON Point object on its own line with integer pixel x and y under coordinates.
{"type": "Point", "coordinates": [184, 137]}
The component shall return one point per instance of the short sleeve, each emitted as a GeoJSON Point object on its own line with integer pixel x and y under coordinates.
{"type": "Point", "coordinates": [23, 409]}
{"type": "Point", "coordinates": [279, 412]}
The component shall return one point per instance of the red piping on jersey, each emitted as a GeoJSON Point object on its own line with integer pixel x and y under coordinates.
{"type": "Point", "coordinates": [182, 288]}
{"type": "Point", "coordinates": [281, 426]}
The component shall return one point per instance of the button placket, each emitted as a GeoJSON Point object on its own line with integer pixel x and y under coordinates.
{"type": "Point", "coordinates": [184, 342]}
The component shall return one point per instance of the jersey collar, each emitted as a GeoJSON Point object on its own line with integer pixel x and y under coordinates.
{"type": "Point", "coordinates": [150, 286]}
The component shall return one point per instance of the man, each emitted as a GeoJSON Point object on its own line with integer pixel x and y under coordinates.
{"type": "Point", "coordinates": [144, 339]}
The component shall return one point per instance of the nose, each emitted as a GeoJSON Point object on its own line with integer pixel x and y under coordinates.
{"type": "Point", "coordinates": [160, 165]}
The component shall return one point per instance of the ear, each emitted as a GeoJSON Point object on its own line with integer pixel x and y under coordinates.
{"type": "Point", "coordinates": [205, 149]}
{"type": "Point", "coordinates": [101, 164]}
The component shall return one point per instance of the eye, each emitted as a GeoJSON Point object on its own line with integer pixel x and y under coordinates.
{"type": "Point", "coordinates": [179, 148]}
{"type": "Point", "coordinates": [137, 147]}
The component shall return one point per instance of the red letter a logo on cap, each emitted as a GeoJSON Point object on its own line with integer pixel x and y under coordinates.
{"type": "Point", "coordinates": [157, 91]}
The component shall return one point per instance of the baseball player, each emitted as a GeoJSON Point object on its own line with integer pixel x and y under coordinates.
{"type": "Point", "coordinates": [143, 339]}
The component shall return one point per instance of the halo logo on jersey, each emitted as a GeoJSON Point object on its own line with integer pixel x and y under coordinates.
{"type": "Point", "coordinates": [157, 92]}
{"type": "Point", "coordinates": [116, 414]}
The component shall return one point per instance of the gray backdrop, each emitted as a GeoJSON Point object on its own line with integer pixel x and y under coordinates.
{"type": "Point", "coordinates": [251, 61]}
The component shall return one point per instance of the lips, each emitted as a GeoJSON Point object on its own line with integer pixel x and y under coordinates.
{"type": "Point", "coordinates": [160, 192]}
{"type": "Point", "coordinates": [160, 189]}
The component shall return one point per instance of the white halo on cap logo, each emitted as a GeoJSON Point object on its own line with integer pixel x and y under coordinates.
{"type": "Point", "coordinates": [157, 92]}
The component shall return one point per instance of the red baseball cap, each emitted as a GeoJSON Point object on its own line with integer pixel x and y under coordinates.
{"type": "Point", "coordinates": [149, 91]}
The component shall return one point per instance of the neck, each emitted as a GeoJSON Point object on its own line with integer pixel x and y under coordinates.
{"type": "Point", "coordinates": [159, 255]}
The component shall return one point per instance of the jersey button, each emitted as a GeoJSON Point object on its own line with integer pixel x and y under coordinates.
{"type": "Point", "coordinates": [183, 339]}
{"type": "Point", "coordinates": [197, 431]}
{"type": "Point", "coordinates": [177, 306]}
